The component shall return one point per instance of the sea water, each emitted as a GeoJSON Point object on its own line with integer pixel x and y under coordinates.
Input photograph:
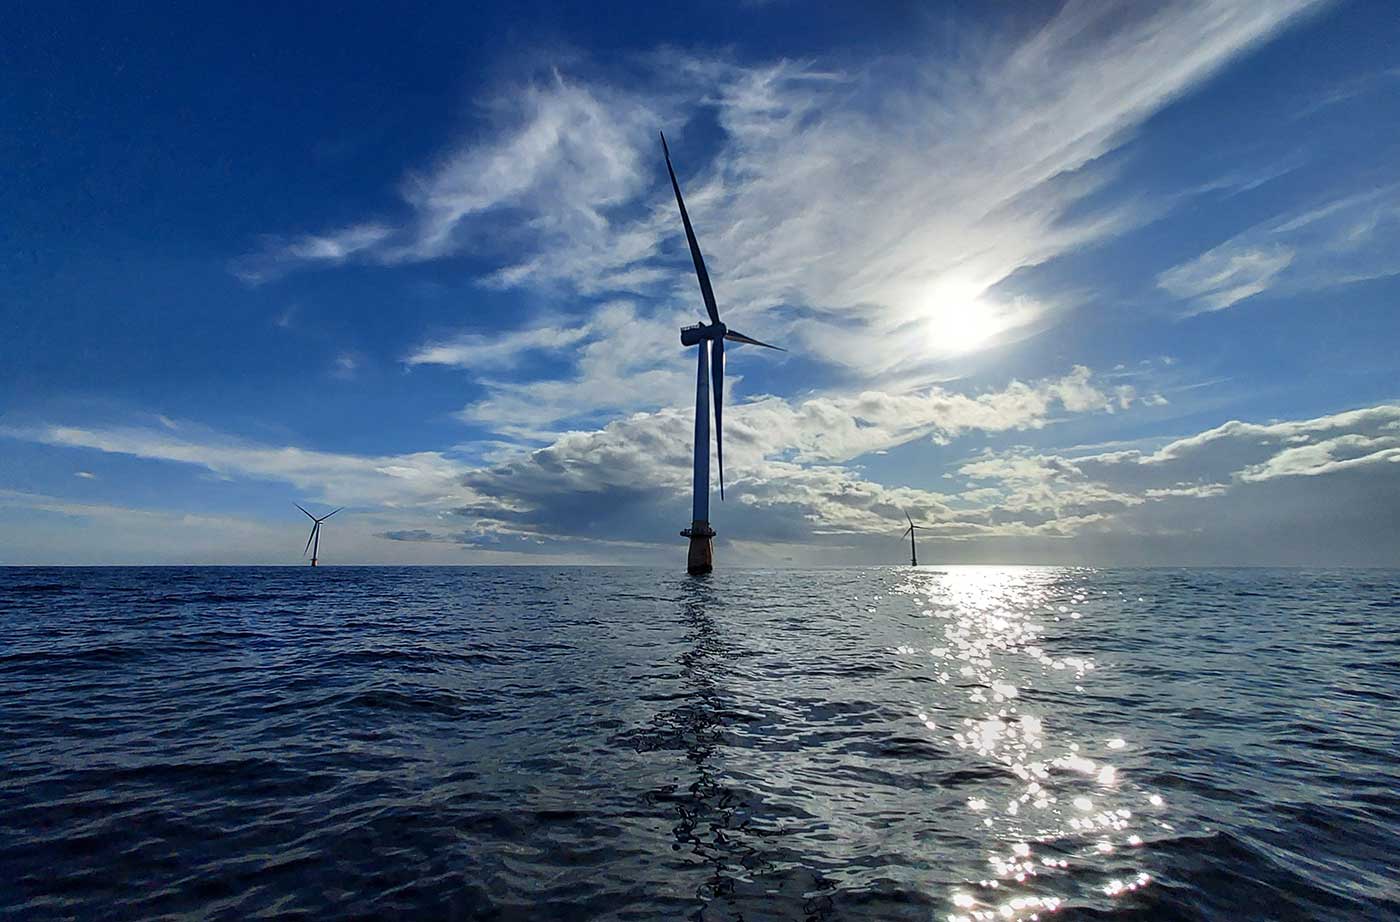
{"type": "Point", "coordinates": [960, 743]}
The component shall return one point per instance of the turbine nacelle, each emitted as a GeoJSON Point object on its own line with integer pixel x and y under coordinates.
{"type": "Point", "coordinates": [717, 332]}
{"type": "Point", "coordinates": [700, 332]}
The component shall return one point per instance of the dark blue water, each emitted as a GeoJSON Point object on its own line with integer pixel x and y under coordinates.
{"type": "Point", "coordinates": [968, 743]}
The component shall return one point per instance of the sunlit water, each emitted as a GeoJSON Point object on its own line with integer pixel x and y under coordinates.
{"type": "Point", "coordinates": [951, 744]}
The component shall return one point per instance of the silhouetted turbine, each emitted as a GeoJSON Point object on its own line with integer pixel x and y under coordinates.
{"type": "Point", "coordinates": [313, 543]}
{"type": "Point", "coordinates": [913, 550]}
{"type": "Point", "coordinates": [711, 368]}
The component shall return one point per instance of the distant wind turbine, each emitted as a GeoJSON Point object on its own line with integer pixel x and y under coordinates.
{"type": "Point", "coordinates": [711, 367]}
{"type": "Point", "coordinates": [913, 550]}
{"type": "Point", "coordinates": [313, 543]}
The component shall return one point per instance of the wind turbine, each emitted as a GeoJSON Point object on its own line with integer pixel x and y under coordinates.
{"type": "Point", "coordinates": [913, 551]}
{"type": "Point", "coordinates": [313, 543]}
{"type": "Point", "coordinates": [710, 367]}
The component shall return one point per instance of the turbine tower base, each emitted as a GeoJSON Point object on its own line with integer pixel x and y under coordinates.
{"type": "Point", "coordinates": [701, 558]}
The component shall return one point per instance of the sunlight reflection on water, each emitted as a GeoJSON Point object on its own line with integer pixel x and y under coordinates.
{"type": "Point", "coordinates": [1067, 805]}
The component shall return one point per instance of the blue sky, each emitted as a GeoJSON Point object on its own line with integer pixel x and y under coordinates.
{"type": "Point", "coordinates": [1074, 283]}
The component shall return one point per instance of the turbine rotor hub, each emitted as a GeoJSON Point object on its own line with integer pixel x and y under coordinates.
{"type": "Point", "coordinates": [699, 333]}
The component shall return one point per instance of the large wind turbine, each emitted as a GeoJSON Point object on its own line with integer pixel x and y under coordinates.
{"type": "Point", "coordinates": [710, 367]}
{"type": "Point", "coordinates": [313, 543]}
{"type": "Point", "coordinates": [913, 551]}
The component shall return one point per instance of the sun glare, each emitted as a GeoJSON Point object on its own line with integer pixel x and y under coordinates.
{"type": "Point", "coordinates": [959, 320]}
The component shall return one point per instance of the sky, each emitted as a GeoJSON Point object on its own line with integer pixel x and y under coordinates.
{"type": "Point", "coordinates": [1075, 283]}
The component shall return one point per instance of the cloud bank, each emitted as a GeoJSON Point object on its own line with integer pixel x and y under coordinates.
{"type": "Point", "coordinates": [1318, 490]}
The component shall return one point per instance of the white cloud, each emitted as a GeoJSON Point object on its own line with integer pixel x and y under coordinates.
{"type": "Point", "coordinates": [778, 454]}
{"type": "Point", "coordinates": [885, 206]}
{"type": "Point", "coordinates": [477, 352]}
{"type": "Point", "coordinates": [1350, 89]}
{"type": "Point", "coordinates": [1349, 239]}
{"type": "Point", "coordinates": [1352, 459]}
{"type": "Point", "coordinates": [346, 364]}
{"type": "Point", "coordinates": [558, 156]}
{"type": "Point", "coordinates": [898, 247]}
{"type": "Point", "coordinates": [279, 255]}
{"type": "Point", "coordinates": [567, 153]}
{"type": "Point", "coordinates": [838, 428]}
{"type": "Point", "coordinates": [1261, 438]}
{"type": "Point", "coordinates": [785, 467]}
{"type": "Point", "coordinates": [85, 475]}
{"type": "Point", "coordinates": [1327, 456]}
{"type": "Point", "coordinates": [618, 360]}
{"type": "Point", "coordinates": [1317, 490]}
{"type": "Point", "coordinates": [1226, 275]}
{"type": "Point", "coordinates": [417, 479]}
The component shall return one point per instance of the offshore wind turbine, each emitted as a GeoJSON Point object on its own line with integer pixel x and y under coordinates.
{"type": "Point", "coordinates": [913, 551]}
{"type": "Point", "coordinates": [313, 543]}
{"type": "Point", "coordinates": [710, 367]}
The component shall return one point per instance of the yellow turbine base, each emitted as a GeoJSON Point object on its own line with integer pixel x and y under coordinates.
{"type": "Point", "coordinates": [701, 558]}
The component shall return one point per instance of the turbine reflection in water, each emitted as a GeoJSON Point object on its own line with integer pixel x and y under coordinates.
{"type": "Point", "coordinates": [1060, 801]}
{"type": "Point", "coordinates": [714, 820]}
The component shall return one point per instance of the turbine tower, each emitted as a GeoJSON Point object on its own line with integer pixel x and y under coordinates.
{"type": "Point", "coordinates": [313, 543]}
{"type": "Point", "coordinates": [709, 368]}
{"type": "Point", "coordinates": [913, 551]}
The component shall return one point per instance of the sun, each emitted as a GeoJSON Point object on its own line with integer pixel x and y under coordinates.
{"type": "Point", "coordinates": [959, 319]}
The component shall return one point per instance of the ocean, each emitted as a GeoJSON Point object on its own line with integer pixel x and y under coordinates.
{"type": "Point", "coordinates": [960, 743]}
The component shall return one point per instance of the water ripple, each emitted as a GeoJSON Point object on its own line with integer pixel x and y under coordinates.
{"type": "Point", "coordinates": [968, 744]}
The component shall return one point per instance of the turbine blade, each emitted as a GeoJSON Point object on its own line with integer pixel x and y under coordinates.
{"type": "Point", "coordinates": [328, 515]}
{"type": "Point", "coordinates": [706, 291]}
{"type": "Point", "coordinates": [906, 515]}
{"type": "Point", "coordinates": [308, 515]}
{"type": "Point", "coordinates": [741, 338]}
{"type": "Point", "coordinates": [310, 536]}
{"type": "Point", "coordinates": [907, 531]}
{"type": "Point", "coordinates": [717, 380]}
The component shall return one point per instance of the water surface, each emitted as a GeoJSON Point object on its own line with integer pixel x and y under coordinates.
{"type": "Point", "coordinates": [477, 743]}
